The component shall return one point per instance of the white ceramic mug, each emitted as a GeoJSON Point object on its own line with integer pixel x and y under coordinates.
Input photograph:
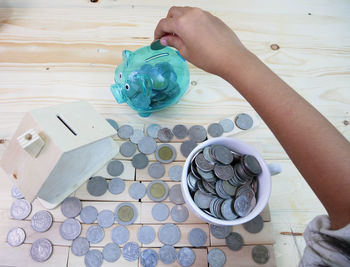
{"type": "Point", "coordinates": [264, 181]}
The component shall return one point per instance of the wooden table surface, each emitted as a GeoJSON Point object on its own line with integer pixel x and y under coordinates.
{"type": "Point", "coordinates": [57, 51]}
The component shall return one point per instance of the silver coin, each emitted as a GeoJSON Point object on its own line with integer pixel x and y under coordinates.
{"type": "Point", "coordinates": [125, 131]}
{"type": "Point", "coordinates": [139, 161]}
{"type": "Point", "coordinates": [242, 205]}
{"type": "Point", "coordinates": [97, 186]}
{"type": "Point", "coordinates": [216, 258]}
{"type": "Point", "coordinates": [175, 194]}
{"type": "Point", "coordinates": [160, 212]}
{"type": "Point", "coordinates": [165, 153]}
{"type": "Point", "coordinates": [197, 133]}
{"type": "Point", "coordinates": [95, 234]}
{"type": "Point", "coordinates": [251, 164]}
{"type": "Point", "coordinates": [187, 147]}
{"type": "Point", "coordinates": [16, 193]}
{"type": "Point", "coordinates": [93, 258]}
{"type": "Point", "coordinates": [175, 173]}
{"type": "Point", "coordinates": [179, 213]}
{"type": "Point", "coordinates": [167, 254]}
{"type": "Point", "coordinates": [16, 237]}
{"type": "Point", "coordinates": [127, 149]}
{"type": "Point", "coordinates": [115, 168]}
{"type": "Point", "coordinates": [260, 254]}
{"type": "Point", "coordinates": [180, 131]}
{"type": "Point", "coordinates": [202, 200]}
{"type": "Point", "coordinates": [227, 125]}
{"type": "Point", "coordinates": [203, 164]}
{"type": "Point", "coordinates": [165, 135]}
{"type": "Point", "coordinates": [227, 210]}
{"type": "Point", "coordinates": [152, 130]}
{"type": "Point", "coordinates": [147, 145]}
{"type": "Point", "coordinates": [113, 123]}
{"type": "Point", "coordinates": [156, 170]}
{"type": "Point", "coordinates": [70, 229]}
{"type": "Point", "coordinates": [116, 186]}
{"type": "Point", "coordinates": [88, 214]}
{"type": "Point", "coordinates": [41, 221]}
{"type": "Point", "coordinates": [215, 130]}
{"type": "Point", "coordinates": [105, 218]}
{"type": "Point", "coordinates": [20, 209]}
{"type": "Point", "coordinates": [255, 225]}
{"type": "Point", "coordinates": [222, 154]}
{"type": "Point", "coordinates": [186, 257]}
{"type": "Point", "coordinates": [137, 136]}
{"type": "Point", "coordinates": [131, 251]}
{"type": "Point", "coordinates": [125, 213]}
{"type": "Point", "coordinates": [111, 252]}
{"type": "Point", "coordinates": [234, 241]}
{"type": "Point", "coordinates": [197, 237]}
{"type": "Point", "coordinates": [169, 234]}
{"type": "Point", "coordinates": [244, 121]}
{"type": "Point", "coordinates": [41, 250]}
{"type": "Point", "coordinates": [219, 231]}
{"type": "Point", "coordinates": [146, 234]}
{"type": "Point", "coordinates": [157, 190]}
{"type": "Point", "coordinates": [80, 246]}
{"type": "Point", "coordinates": [71, 207]}
{"type": "Point", "coordinates": [120, 235]}
{"type": "Point", "coordinates": [149, 258]}
{"type": "Point", "coordinates": [223, 172]}
{"type": "Point", "coordinates": [137, 190]}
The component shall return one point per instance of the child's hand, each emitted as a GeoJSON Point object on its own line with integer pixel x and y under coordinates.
{"type": "Point", "coordinates": [201, 38]}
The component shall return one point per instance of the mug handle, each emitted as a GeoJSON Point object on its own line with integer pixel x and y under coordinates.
{"type": "Point", "coordinates": [274, 168]}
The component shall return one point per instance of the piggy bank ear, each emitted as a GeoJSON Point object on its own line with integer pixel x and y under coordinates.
{"type": "Point", "coordinates": [127, 55]}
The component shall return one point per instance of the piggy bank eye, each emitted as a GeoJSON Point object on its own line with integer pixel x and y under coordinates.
{"type": "Point", "coordinates": [127, 86]}
{"type": "Point", "coordinates": [120, 75]}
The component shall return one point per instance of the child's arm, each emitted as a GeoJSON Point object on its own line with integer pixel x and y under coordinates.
{"type": "Point", "coordinates": [318, 150]}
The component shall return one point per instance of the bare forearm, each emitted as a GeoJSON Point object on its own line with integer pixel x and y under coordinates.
{"type": "Point", "coordinates": [317, 149]}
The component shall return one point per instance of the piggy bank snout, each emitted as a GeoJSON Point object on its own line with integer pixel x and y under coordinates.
{"type": "Point", "coordinates": [116, 90]}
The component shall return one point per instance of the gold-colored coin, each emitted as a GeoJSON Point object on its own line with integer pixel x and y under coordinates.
{"type": "Point", "coordinates": [165, 153]}
{"type": "Point", "coordinates": [157, 190]}
{"type": "Point", "coordinates": [125, 213]}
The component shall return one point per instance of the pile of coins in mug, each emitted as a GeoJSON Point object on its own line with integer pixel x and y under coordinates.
{"type": "Point", "coordinates": [223, 183]}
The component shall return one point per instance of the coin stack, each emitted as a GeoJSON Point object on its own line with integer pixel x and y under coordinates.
{"type": "Point", "coordinates": [223, 183]}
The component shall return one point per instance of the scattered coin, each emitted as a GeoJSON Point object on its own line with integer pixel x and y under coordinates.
{"type": "Point", "coordinates": [169, 234]}
{"type": "Point", "coordinates": [197, 237]}
{"type": "Point", "coordinates": [260, 254]}
{"type": "Point", "coordinates": [186, 257]}
{"type": "Point", "coordinates": [216, 258]}
{"type": "Point", "coordinates": [227, 125]}
{"type": "Point", "coordinates": [175, 173]}
{"type": "Point", "coordinates": [115, 168]}
{"type": "Point", "coordinates": [93, 258]}
{"type": "Point", "coordinates": [156, 45]}
{"type": "Point", "coordinates": [244, 121]}
{"type": "Point", "coordinates": [125, 131]}
{"type": "Point", "coordinates": [255, 225]}
{"type": "Point", "coordinates": [88, 214]}
{"type": "Point", "coordinates": [157, 190]}
{"type": "Point", "coordinates": [149, 258]}
{"type": "Point", "coordinates": [41, 221]}
{"type": "Point", "coordinates": [70, 229]}
{"type": "Point", "coordinates": [80, 246]}
{"type": "Point", "coordinates": [165, 153]}
{"type": "Point", "coordinates": [140, 161]}
{"type": "Point", "coordinates": [187, 147]}
{"type": "Point", "coordinates": [95, 234]}
{"type": "Point", "coordinates": [127, 149]}
{"type": "Point", "coordinates": [111, 252]}
{"type": "Point", "coordinates": [97, 186]}
{"type": "Point", "coordinates": [160, 212]}
{"type": "Point", "coordinates": [179, 213]}
{"type": "Point", "coordinates": [16, 237]}
{"type": "Point", "coordinates": [131, 251]}
{"type": "Point", "coordinates": [152, 130]}
{"type": "Point", "coordinates": [165, 135]}
{"type": "Point", "coordinates": [116, 186]}
{"type": "Point", "coordinates": [137, 136]}
{"type": "Point", "coordinates": [167, 254]}
{"type": "Point", "coordinates": [71, 207]}
{"type": "Point", "coordinates": [234, 241]}
{"type": "Point", "coordinates": [137, 190]}
{"type": "Point", "coordinates": [120, 235]}
{"type": "Point", "coordinates": [125, 213]}
{"type": "Point", "coordinates": [113, 123]}
{"type": "Point", "coordinates": [16, 193]}
{"type": "Point", "coordinates": [105, 218]}
{"type": "Point", "coordinates": [41, 250]}
{"type": "Point", "coordinates": [20, 209]}
{"type": "Point", "coordinates": [180, 131]}
{"type": "Point", "coordinates": [215, 129]}
{"type": "Point", "coordinates": [147, 145]}
{"type": "Point", "coordinates": [175, 194]}
{"type": "Point", "coordinates": [197, 133]}
{"type": "Point", "coordinates": [146, 234]}
{"type": "Point", "coordinates": [156, 170]}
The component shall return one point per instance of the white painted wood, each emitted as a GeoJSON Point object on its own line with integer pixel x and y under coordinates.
{"type": "Point", "coordinates": [31, 142]}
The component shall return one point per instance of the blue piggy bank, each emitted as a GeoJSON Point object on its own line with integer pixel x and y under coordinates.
{"type": "Point", "coordinates": [150, 80]}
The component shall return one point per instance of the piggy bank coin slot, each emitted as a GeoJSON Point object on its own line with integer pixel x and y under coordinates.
{"type": "Point", "coordinates": [156, 56]}
{"type": "Point", "coordinates": [65, 124]}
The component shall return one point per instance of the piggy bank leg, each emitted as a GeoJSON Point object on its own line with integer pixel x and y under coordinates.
{"type": "Point", "coordinates": [144, 114]}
